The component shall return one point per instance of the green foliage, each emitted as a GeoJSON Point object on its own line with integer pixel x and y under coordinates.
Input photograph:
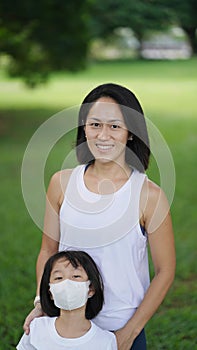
{"type": "Point", "coordinates": [185, 14]}
{"type": "Point", "coordinates": [167, 93]}
{"type": "Point", "coordinates": [141, 16]}
{"type": "Point", "coordinates": [43, 36]}
{"type": "Point", "coordinates": [144, 16]}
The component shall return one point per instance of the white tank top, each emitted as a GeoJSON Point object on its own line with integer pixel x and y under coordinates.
{"type": "Point", "coordinates": [107, 228]}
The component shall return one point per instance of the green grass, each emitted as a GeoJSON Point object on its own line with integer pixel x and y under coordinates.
{"type": "Point", "coordinates": [167, 91]}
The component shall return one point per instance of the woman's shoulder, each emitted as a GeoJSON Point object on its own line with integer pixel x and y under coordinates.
{"type": "Point", "coordinates": [61, 175]}
{"type": "Point", "coordinates": [152, 192]}
{"type": "Point", "coordinates": [57, 186]}
{"type": "Point", "coordinates": [153, 202]}
{"type": "Point", "coordinates": [59, 180]}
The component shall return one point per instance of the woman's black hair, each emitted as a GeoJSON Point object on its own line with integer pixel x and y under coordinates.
{"type": "Point", "coordinates": [137, 149]}
{"type": "Point", "coordinates": [76, 258]}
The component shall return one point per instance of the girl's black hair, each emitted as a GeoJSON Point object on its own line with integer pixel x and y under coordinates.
{"type": "Point", "coordinates": [138, 149]}
{"type": "Point", "coordinates": [76, 258]}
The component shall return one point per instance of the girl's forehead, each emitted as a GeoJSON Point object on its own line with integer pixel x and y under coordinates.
{"type": "Point", "coordinates": [64, 263]}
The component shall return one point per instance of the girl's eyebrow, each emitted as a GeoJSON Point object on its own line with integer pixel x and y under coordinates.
{"type": "Point", "coordinates": [79, 267]}
{"type": "Point", "coordinates": [55, 271]}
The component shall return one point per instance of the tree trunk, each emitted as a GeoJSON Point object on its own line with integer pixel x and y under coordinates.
{"type": "Point", "coordinates": [139, 37]}
{"type": "Point", "coordinates": [191, 34]}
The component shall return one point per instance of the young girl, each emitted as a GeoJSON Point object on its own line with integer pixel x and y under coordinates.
{"type": "Point", "coordinates": [71, 293]}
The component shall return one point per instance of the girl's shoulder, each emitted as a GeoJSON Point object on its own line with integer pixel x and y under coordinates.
{"type": "Point", "coordinates": [42, 322]}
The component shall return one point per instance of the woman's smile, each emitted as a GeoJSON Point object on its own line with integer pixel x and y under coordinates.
{"type": "Point", "coordinates": [104, 147]}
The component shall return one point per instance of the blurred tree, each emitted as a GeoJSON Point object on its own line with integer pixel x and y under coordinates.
{"type": "Point", "coordinates": [184, 13]}
{"type": "Point", "coordinates": [50, 35]}
{"type": "Point", "coordinates": [43, 36]}
{"type": "Point", "coordinates": [141, 16]}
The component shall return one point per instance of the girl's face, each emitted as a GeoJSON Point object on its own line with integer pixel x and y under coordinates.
{"type": "Point", "coordinates": [63, 269]}
{"type": "Point", "coordinates": [106, 131]}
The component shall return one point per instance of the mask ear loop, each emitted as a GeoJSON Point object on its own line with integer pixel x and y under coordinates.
{"type": "Point", "coordinates": [50, 294]}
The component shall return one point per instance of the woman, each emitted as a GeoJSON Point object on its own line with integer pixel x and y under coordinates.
{"type": "Point", "coordinates": [109, 207]}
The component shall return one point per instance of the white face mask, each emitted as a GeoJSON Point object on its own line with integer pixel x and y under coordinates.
{"type": "Point", "coordinates": [69, 295]}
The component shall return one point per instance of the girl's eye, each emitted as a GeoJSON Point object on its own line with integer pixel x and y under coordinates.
{"type": "Point", "coordinates": [58, 278]}
{"type": "Point", "coordinates": [76, 276]}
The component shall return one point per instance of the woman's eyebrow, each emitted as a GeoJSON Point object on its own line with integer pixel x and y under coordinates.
{"type": "Point", "coordinates": [107, 121]}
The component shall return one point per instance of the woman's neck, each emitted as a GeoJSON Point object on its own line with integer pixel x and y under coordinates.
{"type": "Point", "coordinates": [72, 324]}
{"type": "Point", "coordinates": [106, 178]}
{"type": "Point", "coordinates": [111, 170]}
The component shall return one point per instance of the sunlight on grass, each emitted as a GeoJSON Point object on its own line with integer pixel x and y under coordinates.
{"type": "Point", "coordinates": [160, 86]}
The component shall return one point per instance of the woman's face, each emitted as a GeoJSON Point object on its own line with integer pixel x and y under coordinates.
{"type": "Point", "coordinates": [106, 131]}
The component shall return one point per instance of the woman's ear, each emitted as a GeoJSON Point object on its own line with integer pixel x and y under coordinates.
{"type": "Point", "coordinates": [130, 138]}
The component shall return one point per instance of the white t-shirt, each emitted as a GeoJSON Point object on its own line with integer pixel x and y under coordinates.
{"type": "Point", "coordinates": [43, 336]}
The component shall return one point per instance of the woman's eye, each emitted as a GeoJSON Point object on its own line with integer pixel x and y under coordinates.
{"type": "Point", "coordinates": [76, 276]}
{"type": "Point", "coordinates": [95, 125]}
{"type": "Point", "coordinates": [58, 278]}
{"type": "Point", "coordinates": [115, 126]}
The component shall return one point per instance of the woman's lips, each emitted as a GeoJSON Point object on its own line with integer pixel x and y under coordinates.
{"type": "Point", "coordinates": [104, 147]}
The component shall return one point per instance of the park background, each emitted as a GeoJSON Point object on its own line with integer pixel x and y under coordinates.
{"type": "Point", "coordinates": [150, 50]}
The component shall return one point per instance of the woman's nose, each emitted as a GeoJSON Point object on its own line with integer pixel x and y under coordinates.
{"type": "Point", "coordinates": [104, 133]}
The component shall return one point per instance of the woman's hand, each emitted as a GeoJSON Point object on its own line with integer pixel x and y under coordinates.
{"type": "Point", "coordinates": [36, 312]}
{"type": "Point", "coordinates": [123, 341]}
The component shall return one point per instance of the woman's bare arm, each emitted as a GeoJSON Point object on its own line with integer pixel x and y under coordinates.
{"type": "Point", "coordinates": [158, 225]}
